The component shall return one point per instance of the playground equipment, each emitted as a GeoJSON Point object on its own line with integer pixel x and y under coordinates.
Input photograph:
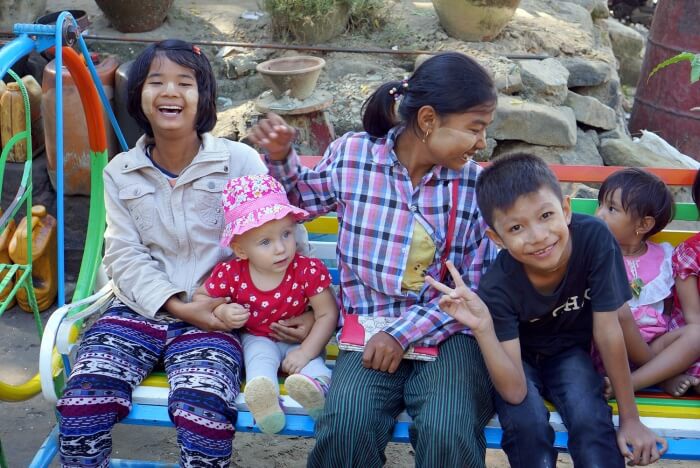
{"type": "Point", "coordinates": [35, 37]}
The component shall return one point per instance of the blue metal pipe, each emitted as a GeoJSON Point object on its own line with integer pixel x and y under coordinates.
{"type": "Point", "coordinates": [13, 51]}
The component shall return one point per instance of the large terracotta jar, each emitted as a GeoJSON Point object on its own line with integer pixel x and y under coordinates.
{"type": "Point", "coordinates": [475, 20]}
{"type": "Point", "coordinates": [131, 16]}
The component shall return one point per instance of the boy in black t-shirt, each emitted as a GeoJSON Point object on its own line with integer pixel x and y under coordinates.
{"type": "Point", "coordinates": [558, 281]}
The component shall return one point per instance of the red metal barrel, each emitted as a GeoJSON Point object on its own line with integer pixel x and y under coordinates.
{"type": "Point", "coordinates": [663, 102]}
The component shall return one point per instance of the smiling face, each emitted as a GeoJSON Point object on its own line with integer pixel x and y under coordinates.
{"type": "Point", "coordinates": [535, 231]}
{"type": "Point", "coordinates": [170, 96]}
{"type": "Point", "coordinates": [455, 138]}
{"type": "Point", "coordinates": [269, 248]}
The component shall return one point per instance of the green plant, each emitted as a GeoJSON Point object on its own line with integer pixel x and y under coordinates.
{"type": "Point", "coordinates": [694, 60]}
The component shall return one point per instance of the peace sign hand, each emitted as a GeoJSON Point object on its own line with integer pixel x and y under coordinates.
{"type": "Point", "coordinates": [462, 303]}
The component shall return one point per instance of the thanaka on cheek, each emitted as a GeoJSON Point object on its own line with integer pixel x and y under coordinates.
{"type": "Point", "coordinates": [147, 97]}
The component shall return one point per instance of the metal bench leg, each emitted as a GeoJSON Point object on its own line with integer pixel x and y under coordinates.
{"type": "Point", "coordinates": [48, 450]}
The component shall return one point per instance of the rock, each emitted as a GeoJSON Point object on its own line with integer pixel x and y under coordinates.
{"type": "Point", "coordinates": [510, 82]}
{"type": "Point", "coordinates": [590, 111]}
{"type": "Point", "coordinates": [628, 45]}
{"type": "Point", "coordinates": [534, 123]}
{"type": "Point", "coordinates": [589, 5]}
{"type": "Point", "coordinates": [624, 152]}
{"type": "Point", "coordinates": [615, 133]}
{"type": "Point", "coordinates": [584, 153]}
{"type": "Point", "coordinates": [574, 13]}
{"type": "Point", "coordinates": [486, 153]}
{"type": "Point", "coordinates": [607, 93]}
{"type": "Point", "coordinates": [585, 72]}
{"type": "Point", "coordinates": [601, 10]}
{"type": "Point", "coordinates": [546, 80]}
{"type": "Point", "coordinates": [240, 65]}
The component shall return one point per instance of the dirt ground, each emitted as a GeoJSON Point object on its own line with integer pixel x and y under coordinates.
{"type": "Point", "coordinates": [24, 425]}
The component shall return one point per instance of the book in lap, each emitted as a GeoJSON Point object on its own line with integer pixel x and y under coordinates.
{"type": "Point", "coordinates": [358, 329]}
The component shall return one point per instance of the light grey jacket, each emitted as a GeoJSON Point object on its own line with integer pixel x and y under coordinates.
{"type": "Point", "coordinates": [162, 240]}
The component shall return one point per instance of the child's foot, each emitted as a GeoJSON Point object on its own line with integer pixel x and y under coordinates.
{"type": "Point", "coordinates": [263, 402]}
{"type": "Point", "coordinates": [679, 385]}
{"type": "Point", "coordinates": [308, 392]}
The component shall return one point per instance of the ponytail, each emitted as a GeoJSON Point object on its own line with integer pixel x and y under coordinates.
{"type": "Point", "coordinates": [378, 115]}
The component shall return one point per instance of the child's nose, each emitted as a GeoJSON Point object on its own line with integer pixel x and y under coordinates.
{"type": "Point", "coordinates": [170, 88]}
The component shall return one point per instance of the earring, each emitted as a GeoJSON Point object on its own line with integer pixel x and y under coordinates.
{"type": "Point", "coordinates": [427, 134]}
{"type": "Point", "coordinates": [636, 232]}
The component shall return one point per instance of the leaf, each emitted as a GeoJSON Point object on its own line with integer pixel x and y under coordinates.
{"type": "Point", "coordinates": [695, 69]}
{"type": "Point", "coordinates": [675, 59]}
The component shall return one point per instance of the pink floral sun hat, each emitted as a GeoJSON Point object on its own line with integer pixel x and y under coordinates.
{"type": "Point", "coordinates": [253, 200]}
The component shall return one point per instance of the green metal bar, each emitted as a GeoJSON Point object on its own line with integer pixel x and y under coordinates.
{"type": "Point", "coordinates": [94, 238]}
{"type": "Point", "coordinates": [684, 211]}
{"type": "Point", "coordinates": [3, 463]}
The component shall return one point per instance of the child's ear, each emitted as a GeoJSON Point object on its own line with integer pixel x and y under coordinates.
{"type": "Point", "coordinates": [646, 224]}
{"type": "Point", "coordinates": [495, 238]}
{"type": "Point", "coordinates": [566, 208]}
{"type": "Point", "coordinates": [239, 251]}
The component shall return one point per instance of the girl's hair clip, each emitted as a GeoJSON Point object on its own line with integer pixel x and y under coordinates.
{"type": "Point", "coordinates": [400, 91]}
{"type": "Point", "coordinates": [196, 50]}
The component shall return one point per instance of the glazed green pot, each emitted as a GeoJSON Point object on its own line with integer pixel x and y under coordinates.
{"type": "Point", "coordinates": [475, 20]}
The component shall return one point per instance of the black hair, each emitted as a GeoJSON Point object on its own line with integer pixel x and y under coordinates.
{"type": "Point", "coordinates": [450, 82]}
{"type": "Point", "coordinates": [696, 190]}
{"type": "Point", "coordinates": [510, 177]}
{"type": "Point", "coordinates": [186, 55]}
{"type": "Point", "coordinates": [642, 194]}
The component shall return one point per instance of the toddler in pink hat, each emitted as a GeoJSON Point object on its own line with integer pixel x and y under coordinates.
{"type": "Point", "coordinates": [268, 281]}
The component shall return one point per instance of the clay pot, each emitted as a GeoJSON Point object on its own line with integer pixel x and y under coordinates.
{"type": "Point", "coordinates": [298, 75]}
{"type": "Point", "coordinates": [135, 15]}
{"type": "Point", "coordinates": [475, 20]}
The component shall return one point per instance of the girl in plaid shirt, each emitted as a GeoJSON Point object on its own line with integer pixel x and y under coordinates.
{"type": "Point", "coordinates": [393, 187]}
{"type": "Point", "coordinates": [686, 270]}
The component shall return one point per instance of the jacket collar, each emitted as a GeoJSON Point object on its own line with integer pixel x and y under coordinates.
{"type": "Point", "coordinates": [212, 150]}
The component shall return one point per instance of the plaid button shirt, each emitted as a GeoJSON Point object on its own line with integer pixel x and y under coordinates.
{"type": "Point", "coordinates": [361, 178]}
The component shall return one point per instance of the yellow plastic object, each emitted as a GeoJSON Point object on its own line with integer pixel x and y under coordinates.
{"type": "Point", "coordinates": [44, 263]}
{"type": "Point", "coordinates": [31, 387]}
{"type": "Point", "coordinates": [12, 117]}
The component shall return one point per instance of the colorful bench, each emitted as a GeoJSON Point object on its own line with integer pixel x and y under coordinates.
{"type": "Point", "coordinates": [676, 419]}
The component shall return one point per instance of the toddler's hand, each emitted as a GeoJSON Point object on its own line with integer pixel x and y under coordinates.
{"type": "Point", "coordinates": [295, 361]}
{"type": "Point", "coordinates": [462, 303]}
{"type": "Point", "coordinates": [642, 441]}
{"type": "Point", "coordinates": [274, 135]}
{"type": "Point", "coordinates": [234, 316]}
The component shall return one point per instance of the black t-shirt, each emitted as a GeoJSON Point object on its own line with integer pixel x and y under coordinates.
{"type": "Point", "coordinates": [595, 281]}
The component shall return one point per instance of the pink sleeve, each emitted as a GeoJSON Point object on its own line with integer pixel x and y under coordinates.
{"type": "Point", "coordinates": [217, 284]}
{"type": "Point", "coordinates": [317, 277]}
{"type": "Point", "coordinates": [685, 261]}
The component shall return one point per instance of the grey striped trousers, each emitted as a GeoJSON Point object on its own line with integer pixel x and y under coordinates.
{"type": "Point", "coordinates": [449, 399]}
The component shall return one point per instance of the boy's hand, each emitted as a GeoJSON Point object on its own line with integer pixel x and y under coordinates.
{"type": "Point", "coordinates": [643, 442]}
{"type": "Point", "coordinates": [382, 353]}
{"type": "Point", "coordinates": [462, 303]}
{"type": "Point", "coordinates": [234, 316]}
{"type": "Point", "coordinates": [295, 361]}
{"type": "Point", "coordinates": [274, 135]}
